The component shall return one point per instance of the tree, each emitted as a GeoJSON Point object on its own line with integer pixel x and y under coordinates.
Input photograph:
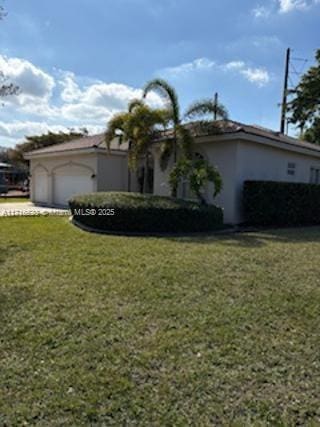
{"type": "Point", "coordinates": [138, 127]}
{"type": "Point", "coordinates": [16, 155]}
{"type": "Point", "coordinates": [6, 88]}
{"type": "Point", "coordinates": [305, 107]}
{"type": "Point", "coordinates": [198, 172]}
{"type": "Point", "coordinates": [182, 138]}
{"type": "Point", "coordinates": [208, 107]}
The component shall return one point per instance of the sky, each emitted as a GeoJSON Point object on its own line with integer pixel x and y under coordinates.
{"type": "Point", "coordinates": [78, 62]}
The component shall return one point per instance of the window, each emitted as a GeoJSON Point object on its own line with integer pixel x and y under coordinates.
{"type": "Point", "coordinates": [291, 169]}
{"type": "Point", "coordinates": [314, 175]}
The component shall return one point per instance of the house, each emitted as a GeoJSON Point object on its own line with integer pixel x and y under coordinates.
{"type": "Point", "coordinates": [240, 152]}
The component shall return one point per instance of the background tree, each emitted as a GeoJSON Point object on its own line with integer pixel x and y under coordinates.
{"type": "Point", "coordinates": [6, 88]}
{"type": "Point", "coordinates": [139, 126]}
{"type": "Point", "coordinates": [15, 155]}
{"type": "Point", "coordinates": [208, 108]}
{"type": "Point", "coordinates": [305, 107]}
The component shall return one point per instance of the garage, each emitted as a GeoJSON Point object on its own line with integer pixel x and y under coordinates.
{"type": "Point", "coordinates": [41, 186]}
{"type": "Point", "coordinates": [69, 181]}
{"type": "Point", "coordinates": [80, 166]}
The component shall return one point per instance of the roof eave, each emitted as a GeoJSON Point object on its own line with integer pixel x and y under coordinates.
{"type": "Point", "coordinates": [36, 154]}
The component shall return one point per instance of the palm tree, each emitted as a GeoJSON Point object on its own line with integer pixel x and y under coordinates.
{"type": "Point", "coordinates": [138, 127]}
{"type": "Point", "coordinates": [207, 107]}
{"type": "Point", "coordinates": [182, 137]}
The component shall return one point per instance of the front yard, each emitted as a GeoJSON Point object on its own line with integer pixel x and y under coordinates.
{"type": "Point", "coordinates": [4, 199]}
{"type": "Point", "coordinates": [100, 330]}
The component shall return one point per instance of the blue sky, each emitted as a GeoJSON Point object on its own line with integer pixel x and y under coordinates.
{"type": "Point", "coordinates": [80, 61]}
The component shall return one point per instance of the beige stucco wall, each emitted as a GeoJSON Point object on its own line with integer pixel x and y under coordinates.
{"type": "Point", "coordinates": [112, 172]}
{"type": "Point", "coordinates": [160, 185]}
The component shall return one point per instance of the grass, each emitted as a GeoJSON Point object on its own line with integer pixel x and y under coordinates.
{"type": "Point", "coordinates": [4, 199]}
{"type": "Point", "coordinates": [100, 330]}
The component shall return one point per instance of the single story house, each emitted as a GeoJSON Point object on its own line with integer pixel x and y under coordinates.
{"type": "Point", "coordinates": [240, 152]}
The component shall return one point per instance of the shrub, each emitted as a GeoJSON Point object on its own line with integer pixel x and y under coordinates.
{"type": "Point", "coordinates": [281, 203]}
{"type": "Point", "coordinates": [135, 212]}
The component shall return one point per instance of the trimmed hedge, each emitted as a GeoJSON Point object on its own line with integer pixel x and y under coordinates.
{"type": "Point", "coordinates": [138, 213]}
{"type": "Point", "coordinates": [281, 203]}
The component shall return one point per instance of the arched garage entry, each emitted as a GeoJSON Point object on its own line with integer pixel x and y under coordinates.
{"type": "Point", "coordinates": [69, 180]}
{"type": "Point", "coordinates": [40, 184]}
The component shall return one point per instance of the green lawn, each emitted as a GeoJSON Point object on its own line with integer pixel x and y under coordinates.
{"type": "Point", "coordinates": [13, 199]}
{"type": "Point", "coordinates": [99, 330]}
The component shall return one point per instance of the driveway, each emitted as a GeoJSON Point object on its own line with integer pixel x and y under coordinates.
{"type": "Point", "coordinates": [29, 209]}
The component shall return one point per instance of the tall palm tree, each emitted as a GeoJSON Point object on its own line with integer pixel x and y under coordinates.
{"type": "Point", "coordinates": [138, 127]}
{"type": "Point", "coordinates": [182, 137]}
{"type": "Point", "coordinates": [207, 107]}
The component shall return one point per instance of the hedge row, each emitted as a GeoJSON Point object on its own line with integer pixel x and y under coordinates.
{"type": "Point", "coordinates": [136, 213]}
{"type": "Point", "coordinates": [281, 203]}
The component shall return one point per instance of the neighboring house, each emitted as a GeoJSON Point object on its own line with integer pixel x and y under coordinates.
{"type": "Point", "coordinates": [240, 153]}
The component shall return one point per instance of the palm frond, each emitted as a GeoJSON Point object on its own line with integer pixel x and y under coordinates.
{"type": "Point", "coordinates": [206, 107]}
{"type": "Point", "coordinates": [165, 90]}
{"type": "Point", "coordinates": [115, 128]}
{"type": "Point", "coordinates": [185, 141]}
{"type": "Point", "coordinates": [134, 104]}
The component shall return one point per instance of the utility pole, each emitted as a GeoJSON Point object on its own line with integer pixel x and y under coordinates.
{"type": "Point", "coordinates": [215, 105]}
{"type": "Point", "coordinates": [285, 93]}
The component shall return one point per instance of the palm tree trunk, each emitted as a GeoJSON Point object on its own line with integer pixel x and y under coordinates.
{"type": "Point", "coordinates": [145, 174]}
{"type": "Point", "coordinates": [175, 155]}
{"type": "Point", "coordinates": [129, 171]}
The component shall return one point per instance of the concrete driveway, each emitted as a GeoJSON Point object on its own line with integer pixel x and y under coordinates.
{"type": "Point", "coordinates": [29, 209]}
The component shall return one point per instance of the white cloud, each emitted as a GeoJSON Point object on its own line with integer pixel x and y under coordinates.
{"type": "Point", "coordinates": [71, 91]}
{"type": "Point", "coordinates": [61, 99]}
{"type": "Point", "coordinates": [286, 6]}
{"type": "Point", "coordinates": [261, 12]}
{"type": "Point", "coordinates": [282, 7]}
{"type": "Point", "coordinates": [98, 101]}
{"type": "Point", "coordinates": [189, 67]}
{"type": "Point", "coordinates": [25, 128]}
{"type": "Point", "coordinates": [234, 65]}
{"type": "Point", "coordinates": [258, 76]}
{"type": "Point", "coordinates": [33, 82]}
{"type": "Point", "coordinates": [16, 131]}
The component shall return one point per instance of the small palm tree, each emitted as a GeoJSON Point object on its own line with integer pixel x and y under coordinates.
{"type": "Point", "coordinates": [138, 127]}
{"type": "Point", "coordinates": [208, 107]}
{"type": "Point", "coordinates": [182, 137]}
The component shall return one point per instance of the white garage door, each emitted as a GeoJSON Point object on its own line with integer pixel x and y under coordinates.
{"type": "Point", "coordinates": [66, 186]}
{"type": "Point", "coordinates": [40, 186]}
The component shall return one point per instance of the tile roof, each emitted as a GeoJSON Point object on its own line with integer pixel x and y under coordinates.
{"type": "Point", "coordinates": [198, 129]}
{"type": "Point", "coordinates": [222, 127]}
{"type": "Point", "coordinates": [87, 142]}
